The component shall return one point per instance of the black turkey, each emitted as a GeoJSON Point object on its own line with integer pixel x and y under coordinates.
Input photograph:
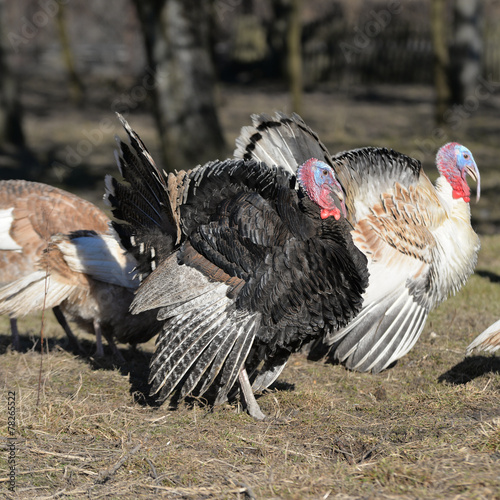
{"type": "Point", "coordinates": [243, 267]}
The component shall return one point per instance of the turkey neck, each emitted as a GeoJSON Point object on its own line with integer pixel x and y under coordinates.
{"type": "Point", "coordinates": [460, 243]}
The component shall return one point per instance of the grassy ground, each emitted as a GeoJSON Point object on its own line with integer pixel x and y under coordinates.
{"type": "Point", "coordinates": [427, 428]}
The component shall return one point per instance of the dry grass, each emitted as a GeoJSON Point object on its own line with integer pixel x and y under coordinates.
{"type": "Point", "coordinates": [427, 428]}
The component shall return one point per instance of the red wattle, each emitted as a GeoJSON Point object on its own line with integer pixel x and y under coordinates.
{"type": "Point", "coordinates": [327, 212]}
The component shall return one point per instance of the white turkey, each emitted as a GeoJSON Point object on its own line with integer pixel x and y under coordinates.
{"type": "Point", "coordinates": [59, 251]}
{"type": "Point", "coordinates": [417, 237]}
{"type": "Point", "coordinates": [242, 266]}
{"type": "Point", "coordinates": [488, 341]}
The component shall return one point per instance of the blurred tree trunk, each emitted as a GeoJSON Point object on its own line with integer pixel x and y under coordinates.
{"type": "Point", "coordinates": [284, 37]}
{"type": "Point", "coordinates": [76, 87]}
{"type": "Point", "coordinates": [439, 23]}
{"type": "Point", "coordinates": [177, 39]}
{"type": "Point", "coordinates": [294, 36]}
{"type": "Point", "coordinates": [466, 49]}
{"type": "Point", "coordinates": [276, 29]}
{"type": "Point", "coordinates": [11, 130]}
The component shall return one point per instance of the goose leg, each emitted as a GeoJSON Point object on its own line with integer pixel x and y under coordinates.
{"type": "Point", "coordinates": [65, 326]}
{"type": "Point", "coordinates": [16, 342]}
{"type": "Point", "coordinates": [252, 405]}
{"type": "Point", "coordinates": [99, 350]}
{"type": "Point", "coordinates": [114, 349]}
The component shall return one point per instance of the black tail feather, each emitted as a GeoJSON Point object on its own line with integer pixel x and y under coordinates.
{"type": "Point", "coordinates": [144, 218]}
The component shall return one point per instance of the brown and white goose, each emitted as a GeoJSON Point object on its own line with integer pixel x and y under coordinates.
{"type": "Point", "coordinates": [58, 251]}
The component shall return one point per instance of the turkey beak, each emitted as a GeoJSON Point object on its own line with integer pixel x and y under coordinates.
{"type": "Point", "coordinates": [473, 171]}
{"type": "Point", "coordinates": [337, 194]}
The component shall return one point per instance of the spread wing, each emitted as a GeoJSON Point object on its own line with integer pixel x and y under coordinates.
{"type": "Point", "coordinates": [396, 305]}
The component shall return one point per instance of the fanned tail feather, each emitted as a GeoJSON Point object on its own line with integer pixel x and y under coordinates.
{"type": "Point", "coordinates": [142, 202]}
{"type": "Point", "coordinates": [144, 216]}
{"type": "Point", "coordinates": [280, 140]}
{"type": "Point", "coordinates": [139, 168]}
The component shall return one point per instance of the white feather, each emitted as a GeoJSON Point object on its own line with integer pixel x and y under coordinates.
{"type": "Point", "coordinates": [6, 242]}
{"type": "Point", "coordinates": [100, 256]}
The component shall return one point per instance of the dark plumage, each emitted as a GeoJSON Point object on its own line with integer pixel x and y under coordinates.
{"type": "Point", "coordinates": [240, 264]}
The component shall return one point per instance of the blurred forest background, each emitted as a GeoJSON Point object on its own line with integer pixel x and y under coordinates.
{"type": "Point", "coordinates": [406, 74]}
